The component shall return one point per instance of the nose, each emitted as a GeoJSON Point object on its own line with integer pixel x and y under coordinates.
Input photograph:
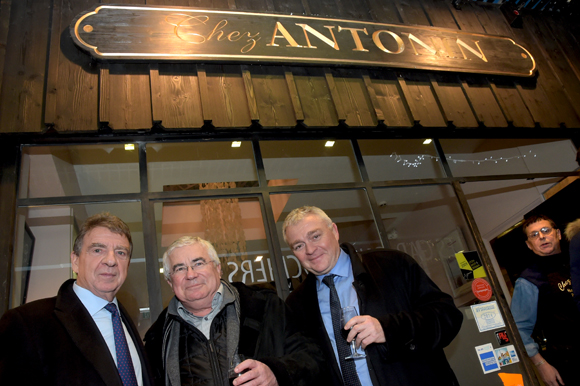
{"type": "Point", "coordinates": [110, 259]}
{"type": "Point", "coordinates": [191, 273]}
{"type": "Point", "coordinates": [308, 248]}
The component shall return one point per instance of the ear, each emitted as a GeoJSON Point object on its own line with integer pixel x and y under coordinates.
{"type": "Point", "coordinates": [169, 282]}
{"type": "Point", "coordinates": [559, 234]}
{"type": "Point", "coordinates": [335, 231]}
{"type": "Point", "coordinates": [529, 245]}
{"type": "Point", "coordinates": [74, 262]}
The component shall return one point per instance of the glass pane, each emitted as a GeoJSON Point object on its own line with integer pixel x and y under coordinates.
{"type": "Point", "coordinates": [349, 210]}
{"type": "Point", "coordinates": [477, 157]}
{"type": "Point", "coordinates": [44, 241]}
{"type": "Point", "coordinates": [309, 162]}
{"type": "Point", "coordinates": [427, 223]}
{"type": "Point", "coordinates": [400, 159]}
{"type": "Point", "coordinates": [56, 171]}
{"type": "Point", "coordinates": [235, 228]}
{"type": "Point", "coordinates": [200, 165]}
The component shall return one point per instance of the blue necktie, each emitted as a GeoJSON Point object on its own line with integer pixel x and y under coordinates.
{"type": "Point", "coordinates": [348, 368]}
{"type": "Point", "coordinates": [124, 362]}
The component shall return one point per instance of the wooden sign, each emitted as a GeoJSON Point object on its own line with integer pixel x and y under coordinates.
{"type": "Point", "coordinates": [153, 33]}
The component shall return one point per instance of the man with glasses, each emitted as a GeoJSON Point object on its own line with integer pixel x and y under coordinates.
{"type": "Point", "coordinates": [209, 320]}
{"type": "Point", "coordinates": [543, 305]}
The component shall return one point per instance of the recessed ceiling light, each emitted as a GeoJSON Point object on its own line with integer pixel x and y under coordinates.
{"type": "Point", "coordinates": [427, 141]}
{"type": "Point", "coordinates": [160, 270]}
{"type": "Point", "coordinates": [236, 143]}
{"type": "Point", "coordinates": [329, 144]}
{"type": "Point", "coordinates": [129, 146]}
{"type": "Point", "coordinates": [259, 258]}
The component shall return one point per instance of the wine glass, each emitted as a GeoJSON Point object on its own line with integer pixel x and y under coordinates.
{"type": "Point", "coordinates": [346, 314]}
{"type": "Point", "coordinates": [234, 362]}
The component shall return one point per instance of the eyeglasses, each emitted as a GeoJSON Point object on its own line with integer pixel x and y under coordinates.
{"type": "Point", "coordinates": [182, 269]}
{"type": "Point", "coordinates": [545, 231]}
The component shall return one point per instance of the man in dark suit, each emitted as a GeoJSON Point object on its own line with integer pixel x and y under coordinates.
{"type": "Point", "coordinates": [404, 320]}
{"type": "Point", "coordinates": [77, 337]}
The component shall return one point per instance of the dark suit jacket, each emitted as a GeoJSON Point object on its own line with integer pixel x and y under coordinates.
{"type": "Point", "coordinates": [55, 341]}
{"type": "Point", "coordinates": [417, 318]}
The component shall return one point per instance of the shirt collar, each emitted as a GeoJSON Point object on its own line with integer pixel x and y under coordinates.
{"type": "Point", "coordinates": [92, 302]}
{"type": "Point", "coordinates": [342, 268]}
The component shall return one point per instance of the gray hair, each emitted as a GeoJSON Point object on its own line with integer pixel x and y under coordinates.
{"type": "Point", "coordinates": [299, 214]}
{"type": "Point", "coordinates": [184, 241]}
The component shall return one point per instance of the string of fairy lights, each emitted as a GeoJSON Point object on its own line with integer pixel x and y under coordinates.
{"type": "Point", "coordinates": [419, 159]}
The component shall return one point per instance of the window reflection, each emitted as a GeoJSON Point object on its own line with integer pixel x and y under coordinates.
{"type": "Point", "coordinates": [400, 159]}
{"type": "Point", "coordinates": [427, 223]}
{"type": "Point", "coordinates": [309, 162]}
{"type": "Point", "coordinates": [477, 157]}
{"type": "Point", "coordinates": [349, 210]}
{"type": "Point", "coordinates": [56, 171]}
{"type": "Point", "coordinates": [235, 228]}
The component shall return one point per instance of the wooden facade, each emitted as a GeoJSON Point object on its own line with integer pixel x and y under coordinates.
{"type": "Point", "coordinates": [48, 83]}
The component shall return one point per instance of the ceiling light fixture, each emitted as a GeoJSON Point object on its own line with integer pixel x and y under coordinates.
{"type": "Point", "coordinates": [236, 143]}
{"type": "Point", "coordinates": [129, 146]}
{"type": "Point", "coordinates": [259, 258]}
{"type": "Point", "coordinates": [329, 144]}
{"type": "Point", "coordinates": [427, 141]}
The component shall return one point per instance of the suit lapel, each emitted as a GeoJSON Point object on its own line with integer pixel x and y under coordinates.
{"type": "Point", "coordinates": [85, 334]}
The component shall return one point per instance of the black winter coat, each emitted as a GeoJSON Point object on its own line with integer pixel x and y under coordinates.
{"type": "Point", "coordinates": [417, 318]}
{"type": "Point", "coordinates": [268, 333]}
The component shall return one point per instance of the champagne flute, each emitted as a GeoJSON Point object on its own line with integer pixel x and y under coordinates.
{"type": "Point", "coordinates": [346, 314]}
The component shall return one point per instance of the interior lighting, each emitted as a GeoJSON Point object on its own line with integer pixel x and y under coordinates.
{"type": "Point", "coordinates": [329, 144]}
{"type": "Point", "coordinates": [236, 143]}
{"type": "Point", "coordinates": [160, 270]}
{"type": "Point", "coordinates": [427, 141]}
{"type": "Point", "coordinates": [259, 258]}
{"type": "Point", "coordinates": [129, 146]}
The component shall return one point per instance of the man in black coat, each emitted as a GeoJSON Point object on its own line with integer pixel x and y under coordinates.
{"type": "Point", "coordinates": [209, 320]}
{"type": "Point", "coordinates": [405, 321]}
{"type": "Point", "coordinates": [68, 339]}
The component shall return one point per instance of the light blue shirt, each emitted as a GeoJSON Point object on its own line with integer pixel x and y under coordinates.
{"type": "Point", "coordinates": [524, 309]}
{"type": "Point", "coordinates": [347, 294]}
{"type": "Point", "coordinates": [103, 319]}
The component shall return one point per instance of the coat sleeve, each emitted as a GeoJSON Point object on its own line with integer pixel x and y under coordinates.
{"type": "Point", "coordinates": [420, 318]}
{"type": "Point", "coordinates": [294, 359]}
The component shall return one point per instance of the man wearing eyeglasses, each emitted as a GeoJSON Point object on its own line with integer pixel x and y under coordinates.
{"type": "Point", "coordinates": [209, 320]}
{"type": "Point", "coordinates": [543, 305]}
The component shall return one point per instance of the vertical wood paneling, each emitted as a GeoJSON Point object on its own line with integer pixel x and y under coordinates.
{"type": "Point", "coordinates": [294, 96]}
{"type": "Point", "coordinates": [421, 100]}
{"type": "Point", "coordinates": [558, 66]}
{"type": "Point", "coordinates": [250, 94]}
{"type": "Point", "coordinates": [156, 98]}
{"type": "Point", "coordinates": [483, 101]}
{"type": "Point", "coordinates": [72, 85]}
{"type": "Point", "coordinates": [455, 106]}
{"type": "Point", "coordinates": [355, 10]}
{"type": "Point", "coordinates": [569, 46]}
{"type": "Point", "coordinates": [204, 94]}
{"type": "Point", "coordinates": [317, 104]}
{"type": "Point", "coordinates": [547, 102]}
{"type": "Point", "coordinates": [255, 5]}
{"type": "Point", "coordinates": [393, 106]}
{"type": "Point", "coordinates": [384, 12]}
{"type": "Point", "coordinates": [21, 97]}
{"type": "Point", "coordinates": [130, 88]}
{"type": "Point", "coordinates": [272, 96]}
{"type": "Point", "coordinates": [180, 96]}
{"type": "Point", "coordinates": [340, 113]}
{"type": "Point", "coordinates": [294, 7]}
{"type": "Point", "coordinates": [325, 8]}
{"type": "Point", "coordinates": [104, 94]}
{"type": "Point", "coordinates": [4, 28]}
{"type": "Point", "coordinates": [354, 98]}
{"type": "Point", "coordinates": [227, 94]}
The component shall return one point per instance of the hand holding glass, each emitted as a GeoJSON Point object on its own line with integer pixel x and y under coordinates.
{"type": "Point", "coordinates": [346, 314]}
{"type": "Point", "coordinates": [234, 362]}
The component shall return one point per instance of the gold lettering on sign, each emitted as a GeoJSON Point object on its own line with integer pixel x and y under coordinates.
{"type": "Point", "coordinates": [461, 44]}
{"type": "Point", "coordinates": [306, 28]}
{"type": "Point", "coordinates": [285, 35]}
{"type": "Point", "coordinates": [379, 43]}
{"type": "Point", "coordinates": [185, 27]}
{"type": "Point", "coordinates": [354, 32]}
{"type": "Point", "coordinates": [413, 38]}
